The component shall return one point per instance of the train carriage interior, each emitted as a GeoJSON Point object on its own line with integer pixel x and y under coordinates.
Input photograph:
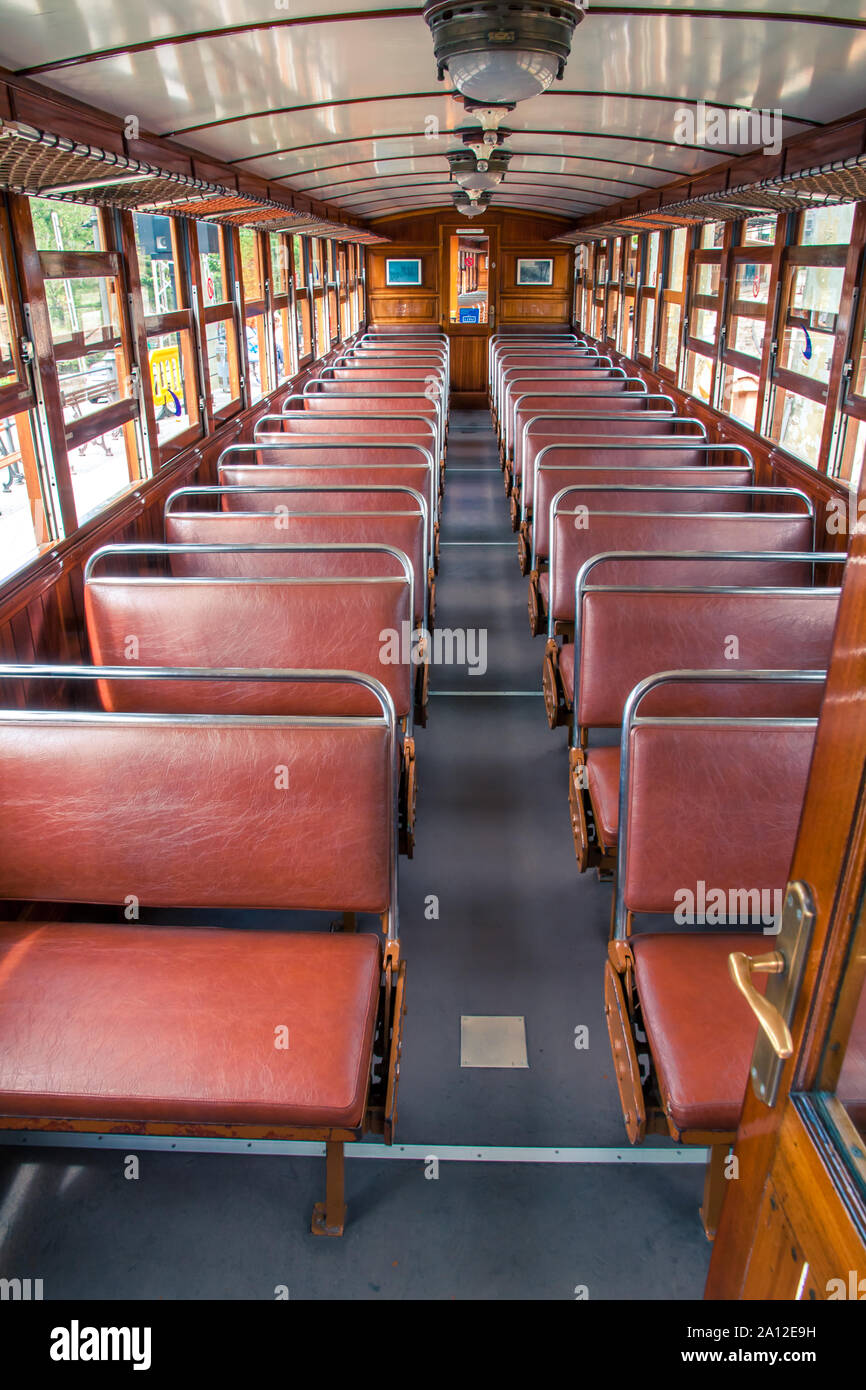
{"type": "Point", "coordinates": [432, 632]}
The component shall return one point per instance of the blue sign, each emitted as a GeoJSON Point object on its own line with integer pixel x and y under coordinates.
{"type": "Point", "coordinates": [470, 315]}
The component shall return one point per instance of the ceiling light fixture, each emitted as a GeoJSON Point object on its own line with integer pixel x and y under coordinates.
{"type": "Point", "coordinates": [471, 204]}
{"type": "Point", "coordinates": [495, 52]}
{"type": "Point", "coordinates": [478, 167]}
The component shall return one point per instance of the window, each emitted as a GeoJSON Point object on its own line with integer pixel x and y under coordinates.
{"type": "Point", "coordinates": [281, 306]}
{"type": "Point", "coordinates": [629, 291]}
{"type": "Point", "coordinates": [218, 312]}
{"type": "Point", "coordinates": [704, 316]}
{"type": "Point", "coordinates": [169, 330]}
{"type": "Point", "coordinates": [645, 346]}
{"type": "Point", "coordinates": [746, 331]}
{"type": "Point", "coordinates": [256, 323]}
{"type": "Point", "coordinates": [91, 345]}
{"type": "Point", "coordinates": [672, 302]}
{"type": "Point", "coordinates": [303, 312]}
{"type": "Point", "coordinates": [812, 278]}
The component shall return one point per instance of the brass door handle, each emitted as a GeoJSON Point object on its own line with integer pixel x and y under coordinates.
{"type": "Point", "coordinates": [742, 967]}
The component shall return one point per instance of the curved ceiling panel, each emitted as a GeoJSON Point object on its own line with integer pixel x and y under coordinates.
{"type": "Point", "coordinates": [342, 101]}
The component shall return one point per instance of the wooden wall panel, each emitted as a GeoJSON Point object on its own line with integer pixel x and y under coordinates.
{"type": "Point", "coordinates": [427, 236]}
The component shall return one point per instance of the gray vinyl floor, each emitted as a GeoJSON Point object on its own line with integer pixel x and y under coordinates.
{"type": "Point", "coordinates": [518, 932]}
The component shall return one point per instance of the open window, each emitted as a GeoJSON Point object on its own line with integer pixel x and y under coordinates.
{"type": "Point", "coordinates": [219, 314]}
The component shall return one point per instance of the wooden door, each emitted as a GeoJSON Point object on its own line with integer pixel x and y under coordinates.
{"type": "Point", "coordinates": [793, 1222]}
{"type": "Point", "coordinates": [469, 341]}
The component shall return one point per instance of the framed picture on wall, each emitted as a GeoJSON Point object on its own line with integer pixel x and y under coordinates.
{"type": "Point", "coordinates": [533, 270]}
{"type": "Point", "coordinates": [403, 272]}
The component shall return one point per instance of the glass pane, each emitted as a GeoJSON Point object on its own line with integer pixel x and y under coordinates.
{"type": "Point", "coordinates": [747, 336]}
{"type": "Point", "coordinates": [652, 259]}
{"type": "Point", "coordinates": [8, 368]}
{"type": "Point", "coordinates": [851, 459]}
{"type": "Point", "coordinates": [251, 264]}
{"type": "Point", "coordinates": [283, 336]}
{"type": "Point", "coordinates": [678, 259]}
{"type": "Point", "coordinates": [333, 317]}
{"type": "Point", "coordinates": [279, 263]}
{"type": "Point", "coordinates": [61, 226]}
{"type": "Point", "coordinates": [616, 259]}
{"type": "Point", "coordinates": [315, 251]}
{"type": "Point", "coordinates": [92, 382]}
{"type": "Point", "coordinates": [648, 318]}
{"type": "Point", "coordinates": [214, 272]}
{"type": "Point", "coordinates": [612, 313]}
{"type": "Point", "coordinates": [712, 235]}
{"type": "Point", "coordinates": [631, 259]}
{"type": "Point", "coordinates": [740, 395]}
{"type": "Point", "coordinates": [704, 325]}
{"type": "Point", "coordinates": [699, 375]}
{"type": "Point", "coordinates": [841, 1084]}
{"type": "Point", "coordinates": [156, 263]}
{"type": "Point", "coordinates": [752, 281]}
{"type": "Point", "coordinates": [298, 261]}
{"type": "Point", "coordinates": [103, 468]}
{"type": "Point", "coordinates": [807, 342]}
{"type": "Point", "coordinates": [859, 386]}
{"type": "Point", "coordinates": [797, 425]}
{"type": "Point", "coordinates": [707, 279]}
{"type": "Point", "coordinates": [759, 231]}
{"type": "Point", "coordinates": [173, 382]}
{"type": "Point", "coordinates": [322, 341]}
{"type": "Point", "coordinates": [86, 306]}
{"type": "Point", "coordinates": [257, 357]}
{"type": "Point", "coordinates": [222, 359]}
{"type": "Point", "coordinates": [670, 335]}
{"type": "Point", "coordinates": [627, 326]}
{"type": "Point", "coordinates": [22, 518]}
{"type": "Point", "coordinates": [827, 226]}
{"type": "Point", "coordinates": [305, 342]}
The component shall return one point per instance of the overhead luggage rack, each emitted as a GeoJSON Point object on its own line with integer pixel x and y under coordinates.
{"type": "Point", "coordinates": [38, 163]}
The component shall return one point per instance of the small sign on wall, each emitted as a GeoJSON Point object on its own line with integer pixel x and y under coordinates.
{"type": "Point", "coordinates": [470, 315]}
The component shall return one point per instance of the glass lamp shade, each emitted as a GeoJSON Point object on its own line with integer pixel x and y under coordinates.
{"type": "Point", "coordinates": [482, 182]}
{"type": "Point", "coordinates": [507, 75]}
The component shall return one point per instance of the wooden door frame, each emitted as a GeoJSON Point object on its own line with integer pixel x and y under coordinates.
{"type": "Point", "coordinates": [448, 226]}
{"type": "Point", "coordinates": [830, 856]}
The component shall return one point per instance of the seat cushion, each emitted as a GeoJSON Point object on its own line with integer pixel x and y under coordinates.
{"type": "Point", "coordinates": [164, 1023]}
{"type": "Point", "coordinates": [602, 780]}
{"type": "Point", "coordinates": [544, 588]}
{"type": "Point", "coordinates": [700, 1029]}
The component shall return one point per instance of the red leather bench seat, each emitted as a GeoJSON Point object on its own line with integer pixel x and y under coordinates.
{"type": "Point", "coordinates": [162, 1023]}
{"type": "Point", "coordinates": [700, 1029]}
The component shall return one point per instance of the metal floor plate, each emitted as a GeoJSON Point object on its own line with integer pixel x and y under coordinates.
{"type": "Point", "coordinates": [493, 1040]}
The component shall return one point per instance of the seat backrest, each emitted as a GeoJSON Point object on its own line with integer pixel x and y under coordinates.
{"type": "Point", "coordinates": [712, 803]}
{"type": "Point", "coordinates": [572, 546]}
{"type": "Point", "coordinates": [307, 519]}
{"type": "Point", "coordinates": [300, 623]}
{"type": "Point", "coordinates": [420, 477]}
{"type": "Point", "coordinates": [632, 423]}
{"type": "Point", "coordinates": [180, 811]}
{"type": "Point", "coordinates": [582, 500]}
{"type": "Point", "coordinates": [623, 635]}
{"type": "Point", "coordinates": [649, 459]}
